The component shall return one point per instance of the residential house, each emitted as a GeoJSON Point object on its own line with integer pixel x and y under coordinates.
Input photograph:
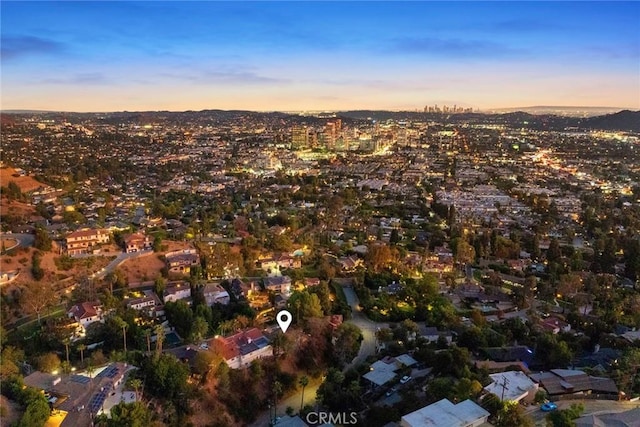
{"type": "Point", "coordinates": [150, 304]}
{"type": "Point", "coordinates": [554, 325]}
{"type": "Point", "coordinates": [384, 370]}
{"type": "Point", "coordinates": [310, 282]}
{"type": "Point", "coordinates": [630, 418]}
{"type": "Point", "coordinates": [349, 263]}
{"type": "Point", "coordinates": [177, 291]}
{"type": "Point", "coordinates": [512, 386]}
{"type": "Point", "coordinates": [240, 349]}
{"type": "Point", "coordinates": [214, 293]}
{"type": "Point", "coordinates": [432, 334]}
{"type": "Point", "coordinates": [280, 285]}
{"type": "Point", "coordinates": [517, 353]}
{"type": "Point", "coordinates": [81, 241]}
{"type": "Point", "coordinates": [85, 314]}
{"type": "Point", "coordinates": [573, 381]}
{"type": "Point", "coordinates": [182, 261]}
{"type": "Point", "coordinates": [446, 414]}
{"type": "Point", "coordinates": [77, 398]}
{"type": "Point", "coordinates": [136, 242]}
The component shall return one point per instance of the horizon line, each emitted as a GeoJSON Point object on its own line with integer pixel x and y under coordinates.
{"type": "Point", "coordinates": [416, 110]}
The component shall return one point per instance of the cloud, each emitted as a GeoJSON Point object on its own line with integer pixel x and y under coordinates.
{"type": "Point", "coordinates": [519, 25]}
{"type": "Point", "coordinates": [18, 46]}
{"type": "Point", "coordinates": [79, 79]}
{"type": "Point", "coordinates": [619, 51]}
{"type": "Point", "coordinates": [453, 48]}
{"type": "Point", "coordinates": [228, 75]}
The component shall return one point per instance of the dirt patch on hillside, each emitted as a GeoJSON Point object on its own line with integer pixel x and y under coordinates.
{"type": "Point", "coordinates": [147, 267]}
{"type": "Point", "coordinates": [19, 209]}
{"type": "Point", "coordinates": [26, 183]}
{"type": "Point", "coordinates": [142, 268]}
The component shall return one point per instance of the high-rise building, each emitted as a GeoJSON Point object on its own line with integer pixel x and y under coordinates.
{"type": "Point", "coordinates": [299, 137]}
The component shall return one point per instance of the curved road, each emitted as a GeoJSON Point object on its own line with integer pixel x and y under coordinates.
{"type": "Point", "coordinates": [367, 326]}
{"type": "Point", "coordinates": [367, 348]}
{"type": "Point", "coordinates": [22, 238]}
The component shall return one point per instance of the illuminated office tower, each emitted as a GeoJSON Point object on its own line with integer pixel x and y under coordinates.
{"type": "Point", "coordinates": [299, 137]}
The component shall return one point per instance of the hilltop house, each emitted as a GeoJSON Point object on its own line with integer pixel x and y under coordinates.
{"type": "Point", "coordinates": [81, 241]}
{"type": "Point", "coordinates": [136, 242]}
{"type": "Point", "coordinates": [182, 261]}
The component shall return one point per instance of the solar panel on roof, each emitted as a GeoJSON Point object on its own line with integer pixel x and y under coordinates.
{"type": "Point", "coordinates": [80, 379]}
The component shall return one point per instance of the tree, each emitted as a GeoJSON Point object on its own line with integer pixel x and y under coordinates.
{"type": "Point", "coordinates": [159, 331]}
{"type": "Point", "coordinates": [305, 305]}
{"type": "Point", "coordinates": [199, 329]}
{"type": "Point", "coordinates": [134, 414]}
{"type": "Point", "coordinates": [42, 240]}
{"type": "Point", "coordinates": [512, 414]}
{"type": "Point", "coordinates": [123, 325]}
{"type": "Point", "coordinates": [465, 253]}
{"type": "Point", "coordinates": [48, 362]}
{"type": "Point", "coordinates": [66, 343]}
{"type": "Point", "coordinates": [277, 389]}
{"type": "Point", "coordinates": [347, 342]}
{"type": "Point", "coordinates": [180, 316]}
{"type": "Point", "coordinates": [82, 348]}
{"type": "Point", "coordinates": [565, 417]}
{"type": "Point", "coordinates": [9, 361]}
{"type": "Point", "coordinates": [304, 381]}
{"type": "Point", "coordinates": [135, 384]}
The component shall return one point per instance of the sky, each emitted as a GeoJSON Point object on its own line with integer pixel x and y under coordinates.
{"type": "Point", "coordinates": [292, 56]}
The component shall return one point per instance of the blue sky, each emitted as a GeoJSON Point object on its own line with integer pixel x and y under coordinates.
{"type": "Point", "coordinates": [95, 56]}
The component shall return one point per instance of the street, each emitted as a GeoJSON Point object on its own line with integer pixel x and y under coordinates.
{"type": "Point", "coordinates": [122, 257]}
{"type": "Point", "coordinates": [368, 327]}
{"type": "Point", "coordinates": [591, 406]}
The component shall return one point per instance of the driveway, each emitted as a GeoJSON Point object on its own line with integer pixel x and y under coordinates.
{"type": "Point", "coordinates": [368, 327]}
{"type": "Point", "coordinates": [122, 257]}
{"type": "Point", "coordinates": [24, 240]}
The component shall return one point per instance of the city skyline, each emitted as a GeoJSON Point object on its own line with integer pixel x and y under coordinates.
{"type": "Point", "coordinates": [318, 56]}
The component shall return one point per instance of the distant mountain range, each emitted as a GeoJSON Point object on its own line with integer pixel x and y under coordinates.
{"type": "Point", "coordinates": [560, 110]}
{"type": "Point", "coordinates": [628, 121]}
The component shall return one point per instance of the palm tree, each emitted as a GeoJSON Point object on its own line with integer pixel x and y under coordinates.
{"type": "Point", "coordinates": [90, 371]}
{"type": "Point", "coordinates": [147, 333]}
{"type": "Point", "coordinates": [66, 343]}
{"type": "Point", "coordinates": [135, 384]}
{"type": "Point", "coordinates": [277, 388]}
{"type": "Point", "coordinates": [159, 330]}
{"type": "Point", "coordinates": [82, 348]}
{"type": "Point", "coordinates": [304, 381]}
{"type": "Point", "coordinates": [125, 326]}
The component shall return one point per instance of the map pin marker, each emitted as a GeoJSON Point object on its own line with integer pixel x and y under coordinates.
{"type": "Point", "coordinates": [284, 319]}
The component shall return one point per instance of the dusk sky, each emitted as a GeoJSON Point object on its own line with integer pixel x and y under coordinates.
{"type": "Point", "coordinates": [93, 56]}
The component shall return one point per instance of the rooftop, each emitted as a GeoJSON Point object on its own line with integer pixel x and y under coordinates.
{"type": "Point", "coordinates": [445, 414]}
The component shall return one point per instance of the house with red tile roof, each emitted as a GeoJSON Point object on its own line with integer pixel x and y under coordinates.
{"type": "Point", "coordinates": [242, 348]}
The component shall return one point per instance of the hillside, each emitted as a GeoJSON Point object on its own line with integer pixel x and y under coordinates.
{"type": "Point", "coordinates": [26, 183]}
{"type": "Point", "coordinates": [623, 120]}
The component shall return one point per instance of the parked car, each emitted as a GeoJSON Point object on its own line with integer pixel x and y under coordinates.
{"type": "Point", "coordinates": [405, 379]}
{"type": "Point", "coordinates": [391, 391]}
{"type": "Point", "coordinates": [548, 407]}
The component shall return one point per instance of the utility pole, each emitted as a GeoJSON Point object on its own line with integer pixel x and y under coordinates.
{"type": "Point", "coordinates": [504, 384]}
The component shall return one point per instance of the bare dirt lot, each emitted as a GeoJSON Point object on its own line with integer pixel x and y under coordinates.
{"type": "Point", "coordinates": [147, 267]}
{"type": "Point", "coordinates": [26, 183]}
